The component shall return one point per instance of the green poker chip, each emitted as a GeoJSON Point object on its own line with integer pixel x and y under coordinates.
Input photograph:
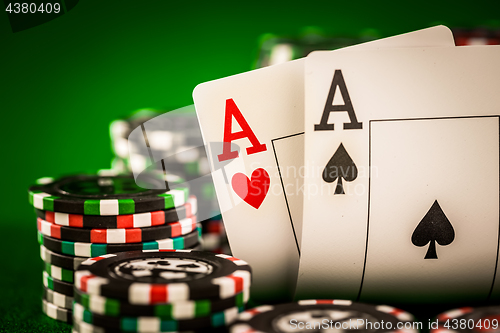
{"type": "Point", "coordinates": [108, 195]}
{"type": "Point", "coordinates": [58, 299]}
{"type": "Point", "coordinates": [180, 310]}
{"type": "Point", "coordinates": [155, 324]}
{"type": "Point", "coordinates": [89, 250]}
{"type": "Point", "coordinates": [56, 285]}
{"type": "Point", "coordinates": [56, 312]}
{"type": "Point", "coordinates": [60, 273]}
{"type": "Point", "coordinates": [81, 326]}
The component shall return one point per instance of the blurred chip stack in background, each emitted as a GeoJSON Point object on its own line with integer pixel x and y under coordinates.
{"type": "Point", "coordinates": [84, 216]}
{"type": "Point", "coordinates": [276, 49]}
{"type": "Point", "coordinates": [176, 138]}
{"type": "Point", "coordinates": [476, 36]}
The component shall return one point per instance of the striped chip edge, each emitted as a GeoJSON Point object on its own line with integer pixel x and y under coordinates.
{"type": "Point", "coordinates": [249, 314]}
{"type": "Point", "coordinates": [342, 302]}
{"type": "Point", "coordinates": [58, 299]}
{"type": "Point", "coordinates": [454, 313]}
{"type": "Point", "coordinates": [88, 283]}
{"type": "Point", "coordinates": [55, 312]}
{"type": "Point", "coordinates": [243, 328]}
{"type": "Point", "coordinates": [93, 260]}
{"type": "Point", "coordinates": [59, 273]}
{"type": "Point", "coordinates": [398, 313]}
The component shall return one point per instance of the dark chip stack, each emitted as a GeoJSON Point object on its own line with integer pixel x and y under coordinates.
{"type": "Point", "coordinates": [476, 36]}
{"type": "Point", "coordinates": [160, 291]}
{"type": "Point", "coordinates": [84, 216]}
{"type": "Point", "coordinates": [175, 138]}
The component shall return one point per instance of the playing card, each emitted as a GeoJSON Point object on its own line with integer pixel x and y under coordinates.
{"type": "Point", "coordinates": [434, 199]}
{"type": "Point", "coordinates": [402, 202]}
{"type": "Point", "coordinates": [260, 188]}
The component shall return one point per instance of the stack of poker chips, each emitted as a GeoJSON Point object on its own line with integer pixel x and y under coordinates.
{"type": "Point", "coordinates": [467, 319]}
{"type": "Point", "coordinates": [84, 216]}
{"type": "Point", "coordinates": [275, 49]}
{"type": "Point", "coordinates": [476, 36]}
{"type": "Point", "coordinates": [160, 291]}
{"type": "Point", "coordinates": [176, 137]}
{"type": "Point", "coordinates": [325, 316]}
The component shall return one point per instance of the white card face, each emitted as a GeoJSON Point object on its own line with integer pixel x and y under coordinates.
{"type": "Point", "coordinates": [262, 112]}
{"type": "Point", "coordinates": [455, 164]}
{"type": "Point", "coordinates": [414, 139]}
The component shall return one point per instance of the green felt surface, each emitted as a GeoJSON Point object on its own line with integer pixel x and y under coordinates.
{"type": "Point", "coordinates": [21, 282]}
{"type": "Point", "coordinates": [63, 82]}
{"type": "Point", "coordinates": [21, 286]}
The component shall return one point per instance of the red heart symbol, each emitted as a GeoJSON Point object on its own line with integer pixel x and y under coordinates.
{"type": "Point", "coordinates": [252, 191]}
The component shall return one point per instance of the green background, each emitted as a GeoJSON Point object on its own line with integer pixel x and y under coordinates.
{"type": "Point", "coordinates": [62, 83]}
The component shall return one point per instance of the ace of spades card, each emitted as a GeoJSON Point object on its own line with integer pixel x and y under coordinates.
{"type": "Point", "coordinates": [260, 189]}
{"type": "Point", "coordinates": [403, 194]}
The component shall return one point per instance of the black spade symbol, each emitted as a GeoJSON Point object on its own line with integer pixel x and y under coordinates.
{"type": "Point", "coordinates": [340, 166]}
{"type": "Point", "coordinates": [434, 227]}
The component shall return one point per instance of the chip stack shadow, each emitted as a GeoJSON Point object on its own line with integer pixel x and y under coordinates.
{"type": "Point", "coordinates": [84, 216]}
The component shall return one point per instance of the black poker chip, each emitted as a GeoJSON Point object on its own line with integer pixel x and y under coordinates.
{"type": "Point", "coordinates": [58, 299]}
{"type": "Point", "coordinates": [163, 276]}
{"type": "Point", "coordinates": [83, 327]}
{"type": "Point", "coordinates": [107, 195]}
{"type": "Point", "coordinates": [60, 260]}
{"type": "Point", "coordinates": [324, 316]}
{"type": "Point", "coordinates": [56, 312]}
{"type": "Point", "coordinates": [58, 286]}
{"type": "Point", "coordinates": [89, 250]}
{"type": "Point", "coordinates": [155, 324]}
{"type": "Point", "coordinates": [178, 310]}
{"type": "Point", "coordinates": [117, 236]}
{"type": "Point", "coordinates": [469, 320]}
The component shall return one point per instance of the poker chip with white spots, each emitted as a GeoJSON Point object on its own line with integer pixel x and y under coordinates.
{"type": "Point", "coordinates": [60, 260]}
{"type": "Point", "coordinates": [163, 276]}
{"type": "Point", "coordinates": [107, 195]}
{"type": "Point", "coordinates": [146, 324]}
{"type": "Point", "coordinates": [180, 310]}
{"type": "Point", "coordinates": [59, 273]}
{"type": "Point", "coordinates": [117, 236]}
{"type": "Point", "coordinates": [86, 216]}
{"type": "Point", "coordinates": [476, 36]}
{"type": "Point", "coordinates": [56, 285]}
{"type": "Point", "coordinates": [83, 327]}
{"type": "Point", "coordinates": [324, 316]}
{"type": "Point", "coordinates": [56, 312]}
{"type": "Point", "coordinates": [160, 291]}
{"type": "Point", "coordinates": [140, 220]}
{"type": "Point", "coordinates": [468, 320]}
{"type": "Point", "coordinates": [58, 299]}
{"type": "Point", "coordinates": [88, 250]}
